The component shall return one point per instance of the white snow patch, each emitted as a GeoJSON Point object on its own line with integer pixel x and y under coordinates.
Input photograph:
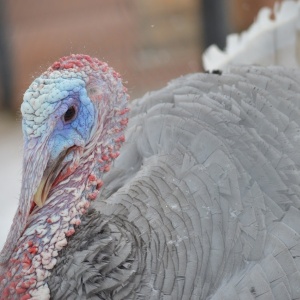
{"type": "Point", "coordinates": [10, 172]}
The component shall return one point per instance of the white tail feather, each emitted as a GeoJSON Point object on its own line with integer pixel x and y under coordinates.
{"type": "Point", "coordinates": [267, 41]}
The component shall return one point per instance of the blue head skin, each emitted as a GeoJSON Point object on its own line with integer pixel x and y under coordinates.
{"type": "Point", "coordinates": [58, 117]}
{"type": "Point", "coordinates": [75, 119]}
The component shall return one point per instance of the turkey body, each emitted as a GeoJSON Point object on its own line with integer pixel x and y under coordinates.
{"type": "Point", "coordinates": [203, 202]}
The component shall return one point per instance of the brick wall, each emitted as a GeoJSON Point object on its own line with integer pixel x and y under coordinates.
{"type": "Point", "coordinates": [148, 41]}
{"type": "Point", "coordinates": [243, 12]}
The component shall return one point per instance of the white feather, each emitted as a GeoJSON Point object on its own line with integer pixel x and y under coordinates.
{"type": "Point", "coordinates": [267, 41]}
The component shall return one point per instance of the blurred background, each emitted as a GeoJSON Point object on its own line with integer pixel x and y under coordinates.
{"type": "Point", "coordinates": [149, 42]}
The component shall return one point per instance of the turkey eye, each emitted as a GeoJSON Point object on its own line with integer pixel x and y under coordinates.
{"type": "Point", "coordinates": [70, 114]}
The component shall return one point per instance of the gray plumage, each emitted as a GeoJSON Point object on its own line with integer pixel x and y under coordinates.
{"type": "Point", "coordinates": [203, 202]}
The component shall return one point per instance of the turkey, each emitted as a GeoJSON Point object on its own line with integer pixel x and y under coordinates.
{"type": "Point", "coordinates": [202, 201]}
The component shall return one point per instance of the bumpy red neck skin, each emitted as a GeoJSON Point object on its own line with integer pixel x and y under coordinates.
{"type": "Point", "coordinates": [47, 228]}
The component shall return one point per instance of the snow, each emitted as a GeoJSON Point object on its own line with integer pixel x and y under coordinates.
{"type": "Point", "coordinates": [10, 171]}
